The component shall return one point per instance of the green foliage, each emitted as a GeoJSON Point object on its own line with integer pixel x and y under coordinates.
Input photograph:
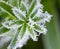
{"type": "Point", "coordinates": [21, 19]}
{"type": "Point", "coordinates": [31, 7]}
{"type": "Point", "coordinates": [4, 6]}
{"type": "Point", "coordinates": [30, 31]}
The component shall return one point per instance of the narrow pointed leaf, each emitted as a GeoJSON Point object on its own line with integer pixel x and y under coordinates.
{"type": "Point", "coordinates": [3, 30]}
{"type": "Point", "coordinates": [14, 40]}
{"type": "Point", "coordinates": [19, 14]}
{"type": "Point", "coordinates": [18, 22]}
{"type": "Point", "coordinates": [3, 15]}
{"type": "Point", "coordinates": [37, 19]}
{"type": "Point", "coordinates": [31, 31]}
{"type": "Point", "coordinates": [33, 3]}
{"type": "Point", "coordinates": [38, 28]}
{"type": "Point", "coordinates": [22, 7]}
{"type": "Point", "coordinates": [15, 3]}
{"type": "Point", "coordinates": [6, 8]}
{"type": "Point", "coordinates": [23, 30]}
{"type": "Point", "coordinates": [34, 13]}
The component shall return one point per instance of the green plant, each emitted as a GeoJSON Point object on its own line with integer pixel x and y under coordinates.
{"type": "Point", "coordinates": [21, 20]}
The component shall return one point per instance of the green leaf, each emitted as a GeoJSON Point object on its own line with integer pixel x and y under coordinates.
{"type": "Point", "coordinates": [29, 1]}
{"type": "Point", "coordinates": [19, 14]}
{"type": "Point", "coordinates": [23, 30]}
{"type": "Point", "coordinates": [37, 28]}
{"type": "Point", "coordinates": [15, 3]}
{"type": "Point", "coordinates": [14, 39]}
{"type": "Point", "coordinates": [22, 7]}
{"type": "Point", "coordinates": [33, 3]}
{"type": "Point", "coordinates": [31, 31]}
{"type": "Point", "coordinates": [4, 15]}
{"type": "Point", "coordinates": [37, 18]}
{"type": "Point", "coordinates": [13, 42]}
{"type": "Point", "coordinates": [3, 30]}
{"type": "Point", "coordinates": [34, 13]}
{"type": "Point", "coordinates": [6, 8]}
{"type": "Point", "coordinates": [18, 22]}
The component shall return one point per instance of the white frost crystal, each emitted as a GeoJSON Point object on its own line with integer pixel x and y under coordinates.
{"type": "Point", "coordinates": [29, 23]}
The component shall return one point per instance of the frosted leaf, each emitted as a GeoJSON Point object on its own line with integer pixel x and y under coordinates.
{"type": "Point", "coordinates": [46, 17]}
{"type": "Point", "coordinates": [30, 22]}
{"type": "Point", "coordinates": [33, 3]}
{"type": "Point", "coordinates": [22, 41]}
{"type": "Point", "coordinates": [19, 14]}
{"type": "Point", "coordinates": [26, 3]}
{"type": "Point", "coordinates": [3, 8]}
{"type": "Point", "coordinates": [14, 33]}
{"type": "Point", "coordinates": [32, 33]}
{"type": "Point", "coordinates": [26, 6]}
{"type": "Point", "coordinates": [10, 25]}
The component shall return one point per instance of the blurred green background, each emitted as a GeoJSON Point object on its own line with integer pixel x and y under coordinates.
{"type": "Point", "coordinates": [52, 39]}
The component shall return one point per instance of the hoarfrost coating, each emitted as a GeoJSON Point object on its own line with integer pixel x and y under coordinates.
{"type": "Point", "coordinates": [28, 24]}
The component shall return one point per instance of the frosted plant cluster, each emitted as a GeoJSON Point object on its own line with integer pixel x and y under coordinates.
{"type": "Point", "coordinates": [30, 23]}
